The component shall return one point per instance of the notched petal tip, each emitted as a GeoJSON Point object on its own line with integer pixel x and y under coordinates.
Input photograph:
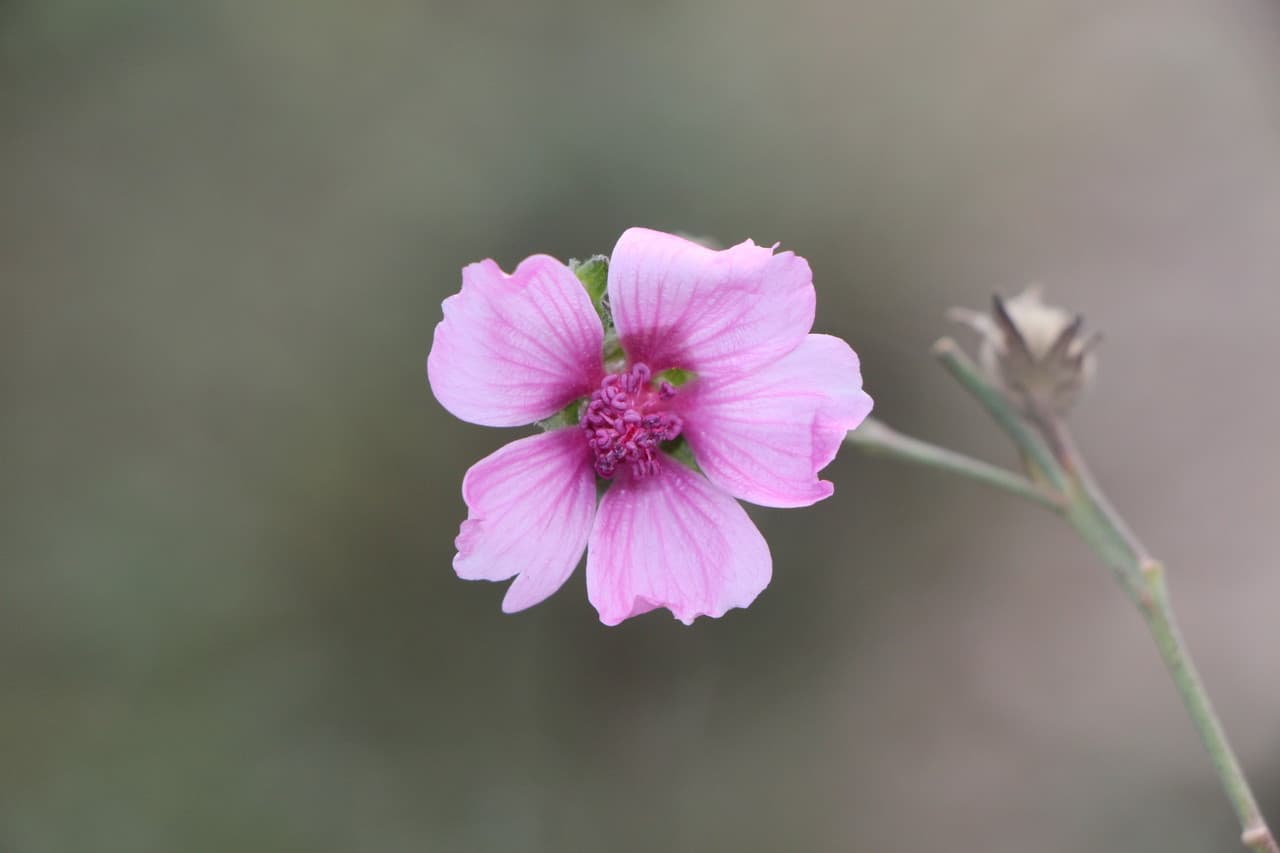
{"type": "Point", "coordinates": [675, 541]}
{"type": "Point", "coordinates": [530, 507]}
{"type": "Point", "coordinates": [513, 349]}
{"type": "Point", "coordinates": [764, 438]}
{"type": "Point", "coordinates": [676, 303]}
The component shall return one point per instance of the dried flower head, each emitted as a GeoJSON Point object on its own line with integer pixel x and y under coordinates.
{"type": "Point", "coordinates": [1033, 350]}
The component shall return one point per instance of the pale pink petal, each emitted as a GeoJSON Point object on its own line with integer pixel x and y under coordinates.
{"type": "Point", "coordinates": [678, 304]}
{"type": "Point", "coordinates": [513, 349]}
{"type": "Point", "coordinates": [673, 540]}
{"type": "Point", "coordinates": [530, 506]}
{"type": "Point", "coordinates": [763, 437]}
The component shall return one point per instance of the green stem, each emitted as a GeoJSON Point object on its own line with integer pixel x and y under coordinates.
{"type": "Point", "coordinates": [1093, 529]}
{"type": "Point", "coordinates": [1160, 618]}
{"type": "Point", "coordinates": [1002, 410]}
{"type": "Point", "coordinates": [879, 439]}
{"type": "Point", "coordinates": [1098, 523]}
{"type": "Point", "coordinates": [1081, 477]}
{"type": "Point", "coordinates": [1082, 503]}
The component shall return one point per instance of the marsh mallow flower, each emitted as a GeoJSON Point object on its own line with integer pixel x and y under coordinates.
{"type": "Point", "coordinates": [706, 387]}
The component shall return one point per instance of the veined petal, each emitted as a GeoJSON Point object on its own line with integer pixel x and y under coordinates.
{"type": "Point", "coordinates": [529, 511]}
{"type": "Point", "coordinates": [513, 349]}
{"type": "Point", "coordinates": [673, 540]}
{"type": "Point", "coordinates": [678, 304]}
{"type": "Point", "coordinates": [763, 437]}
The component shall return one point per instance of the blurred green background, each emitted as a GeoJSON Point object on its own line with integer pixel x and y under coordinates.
{"type": "Point", "coordinates": [227, 615]}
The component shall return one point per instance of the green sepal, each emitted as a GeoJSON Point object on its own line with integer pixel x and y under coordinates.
{"type": "Point", "coordinates": [675, 376]}
{"type": "Point", "coordinates": [594, 275]}
{"type": "Point", "coordinates": [568, 416]}
{"type": "Point", "coordinates": [679, 450]}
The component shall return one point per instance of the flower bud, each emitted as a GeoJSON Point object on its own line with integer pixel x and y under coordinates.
{"type": "Point", "coordinates": [1033, 350]}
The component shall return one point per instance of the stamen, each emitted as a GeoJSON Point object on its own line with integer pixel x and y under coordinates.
{"type": "Point", "coordinates": [625, 422]}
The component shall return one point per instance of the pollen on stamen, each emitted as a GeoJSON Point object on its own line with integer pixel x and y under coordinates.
{"type": "Point", "coordinates": [625, 422]}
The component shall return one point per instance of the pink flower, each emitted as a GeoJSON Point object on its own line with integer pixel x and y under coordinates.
{"type": "Point", "coordinates": [763, 406]}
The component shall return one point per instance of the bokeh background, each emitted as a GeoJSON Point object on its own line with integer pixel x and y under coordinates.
{"type": "Point", "coordinates": [227, 615]}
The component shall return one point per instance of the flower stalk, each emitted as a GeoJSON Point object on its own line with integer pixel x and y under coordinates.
{"type": "Point", "coordinates": [1059, 479]}
{"type": "Point", "coordinates": [879, 439]}
{"type": "Point", "coordinates": [1039, 459]}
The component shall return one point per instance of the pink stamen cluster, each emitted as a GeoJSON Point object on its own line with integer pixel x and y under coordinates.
{"type": "Point", "coordinates": [625, 421]}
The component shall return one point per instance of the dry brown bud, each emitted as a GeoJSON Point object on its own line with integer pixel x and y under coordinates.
{"type": "Point", "coordinates": [1033, 350]}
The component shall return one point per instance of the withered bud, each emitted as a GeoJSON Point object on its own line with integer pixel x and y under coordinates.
{"type": "Point", "coordinates": [1033, 350]}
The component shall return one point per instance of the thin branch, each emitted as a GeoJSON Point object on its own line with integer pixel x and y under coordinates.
{"type": "Point", "coordinates": [877, 438]}
{"type": "Point", "coordinates": [1084, 505]}
{"type": "Point", "coordinates": [1002, 410]}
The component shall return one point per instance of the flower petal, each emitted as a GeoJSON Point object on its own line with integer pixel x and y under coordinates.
{"type": "Point", "coordinates": [678, 304]}
{"type": "Point", "coordinates": [513, 349]}
{"type": "Point", "coordinates": [764, 437]}
{"type": "Point", "coordinates": [673, 540]}
{"type": "Point", "coordinates": [530, 506]}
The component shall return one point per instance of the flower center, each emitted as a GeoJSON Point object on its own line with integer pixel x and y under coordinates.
{"type": "Point", "coordinates": [625, 421]}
